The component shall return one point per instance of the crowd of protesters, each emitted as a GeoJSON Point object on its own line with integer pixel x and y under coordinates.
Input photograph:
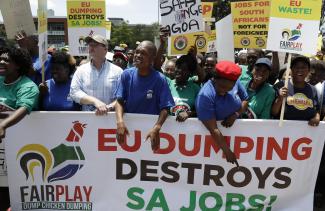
{"type": "Point", "coordinates": [144, 81]}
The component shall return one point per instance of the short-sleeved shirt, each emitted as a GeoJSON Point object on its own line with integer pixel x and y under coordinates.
{"type": "Point", "coordinates": [260, 100]}
{"type": "Point", "coordinates": [58, 98]}
{"type": "Point", "coordinates": [37, 78]}
{"type": "Point", "coordinates": [21, 93]}
{"type": "Point", "coordinates": [184, 96]}
{"type": "Point", "coordinates": [210, 105]}
{"type": "Point", "coordinates": [101, 84]}
{"type": "Point", "coordinates": [144, 95]}
{"type": "Point", "coordinates": [301, 104]}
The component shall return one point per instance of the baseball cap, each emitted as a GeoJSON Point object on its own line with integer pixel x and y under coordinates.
{"type": "Point", "coordinates": [97, 38]}
{"type": "Point", "coordinates": [228, 70]}
{"type": "Point", "coordinates": [264, 61]}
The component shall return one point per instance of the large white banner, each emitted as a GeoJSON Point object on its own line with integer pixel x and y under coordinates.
{"type": "Point", "coordinates": [71, 161]}
{"type": "Point", "coordinates": [182, 17]}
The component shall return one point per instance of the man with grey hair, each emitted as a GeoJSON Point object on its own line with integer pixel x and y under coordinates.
{"type": "Point", "coordinates": [143, 90]}
{"type": "Point", "coordinates": [94, 83]}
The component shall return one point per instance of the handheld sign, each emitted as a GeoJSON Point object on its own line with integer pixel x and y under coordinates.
{"type": "Point", "coordinates": [182, 17]}
{"type": "Point", "coordinates": [250, 23]}
{"type": "Point", "coordinates": [294, 26]}
{"type": "Point", "coordinates": [42, 34]}
{"type": "Point", "coordinates": [85, 18]}
{"type": "Point", "coordinates": [17, 16]}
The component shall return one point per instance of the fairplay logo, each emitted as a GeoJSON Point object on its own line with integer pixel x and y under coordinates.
{"type": "Point", "coordinates": [290, 38]}
{"type": "Point", "coordinates": [58, 164]}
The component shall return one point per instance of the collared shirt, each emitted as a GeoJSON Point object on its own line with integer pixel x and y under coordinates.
{"type": "Point", "coordinates": [100, 84]}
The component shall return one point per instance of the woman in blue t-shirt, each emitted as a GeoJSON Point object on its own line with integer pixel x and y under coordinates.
{"type": "Point", "coordinates": [55, 91]}
{"type": "Point", "coordinates": [224, 99]}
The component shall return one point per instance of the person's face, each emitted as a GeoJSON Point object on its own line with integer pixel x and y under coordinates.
{"type": "Point", "coordinates": [130, 55]}
{"type": "Point", "coordinates": [243, 59]}
{"type": "Point", "coordinates": [315, 76]}
{"type": "Point", "coordinates": [170, 70]}
{"type": "Point", "coordinates": [60, 73]}
{"type": "Point", "coordinates": [142, 57]}
{"type": "Point", "coordinates": [97, 50]}
{"type": "Point", "coordinates": [260, 73]}
{"type": "Point", "coordinates": [182, 73]}
{"type": "Point", "coordinates": [252, 56]}
{"type": "Point", "coordinates": [209, 64]}
{"type": "Point", "coordinates": [223, 86]}
{"type": "Point", "coordinates": [120, 62]}
{"type": "Point", "coordinates": [299, 71]}
{"type": "Point", "coordinates": [7, 66]}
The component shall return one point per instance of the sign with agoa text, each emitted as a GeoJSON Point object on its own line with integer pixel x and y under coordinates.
{"type": "Point", "coordinates": [294, 26]}
{"type": "Point", "coordinates": [182, 17]}
{"type": "Point", "coordinates": [78, 164]}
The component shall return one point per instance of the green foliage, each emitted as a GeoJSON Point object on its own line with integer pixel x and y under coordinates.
{"type": "Point", "coordinates": [130, 34]}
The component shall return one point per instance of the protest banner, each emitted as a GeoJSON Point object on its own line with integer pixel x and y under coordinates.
{"type": "Point", "coordinates": [72, 161]}
{"type": "Point", "coordinates": [293, 26]}
{"type": "Point", "coordinates": [85, 18]}
{"type": "Point", "coordinates": [3, 167]}
{"type": "Point", "coordinates": [181, 17]}
{"type": "Point", "coordinates": [180, 44]}
{"type": "Point", "coordinates": [42, 34]}
{"type": "Point", "coordinates": [225, 41]}
{"type": "Point", "coordinates": [17, 16]}
{"type": "Point", "coordinates": [250, 20]}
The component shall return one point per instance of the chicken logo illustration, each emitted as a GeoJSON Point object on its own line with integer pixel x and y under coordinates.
{"type": "Point", "coordinates": [59, 163]}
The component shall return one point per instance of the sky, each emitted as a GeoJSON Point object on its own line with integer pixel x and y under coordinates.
{"type": "Point", "coordinates": [135, 11]}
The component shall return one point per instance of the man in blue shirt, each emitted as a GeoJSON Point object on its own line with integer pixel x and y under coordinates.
{"type": "Point", "coordinates": [222, 98]}
{"type": "Point", "coordinates": [143, 90]}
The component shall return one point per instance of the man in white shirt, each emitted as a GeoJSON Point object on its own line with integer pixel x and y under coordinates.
{"type": "Point", "coordinates": [94, 83]}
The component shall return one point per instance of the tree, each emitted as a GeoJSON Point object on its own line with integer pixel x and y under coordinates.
{"type": "Point", "coordinates": [121, 34]}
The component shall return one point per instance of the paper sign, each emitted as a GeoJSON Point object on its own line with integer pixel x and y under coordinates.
{"type": "Point", "coordinates": [250, 23]}
{"type": "Point", "coordinates": [182, 17]}
{"type": "Point", "coordinates": [294, 26]}
{"type": "Point", "coordinates": [84, 18]}
{"type": "Point", "coordinates": [42, 30]}
{"type": "Point", "coordinates": [17, 16]}
{"type": "Point", "coordinates": [180, 44]}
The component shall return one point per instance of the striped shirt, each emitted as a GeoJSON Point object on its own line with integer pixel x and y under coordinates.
{"type": "Point", "coordinates": [100, 84]}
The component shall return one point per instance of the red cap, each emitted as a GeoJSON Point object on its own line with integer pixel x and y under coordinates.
{"type": "Point", "coordinates": [228, 70]}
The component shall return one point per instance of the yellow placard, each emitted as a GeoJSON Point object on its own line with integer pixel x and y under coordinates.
{"type": "Point", "coordinates": [250, 23]}
{"type": "Point", "coordinates": [108, 25]}
{"type": "Point", "coordinates": [207, 8]}
{"type": "Point", "coordinates": [180, 44]}
{"type": "Point", "coordinates": [296, 9]}
{"type": "Point", "coordinates": [42, 16]}
{"type": "Point", "coordinates": [86, 13]}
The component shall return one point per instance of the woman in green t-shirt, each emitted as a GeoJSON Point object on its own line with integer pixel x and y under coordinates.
{"type": "Point", "coordinates": [260, 93]}
{"type": "Point", "coordinates": [184, 91]}
{"type": "Point", "coordinates": [17, 92]}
